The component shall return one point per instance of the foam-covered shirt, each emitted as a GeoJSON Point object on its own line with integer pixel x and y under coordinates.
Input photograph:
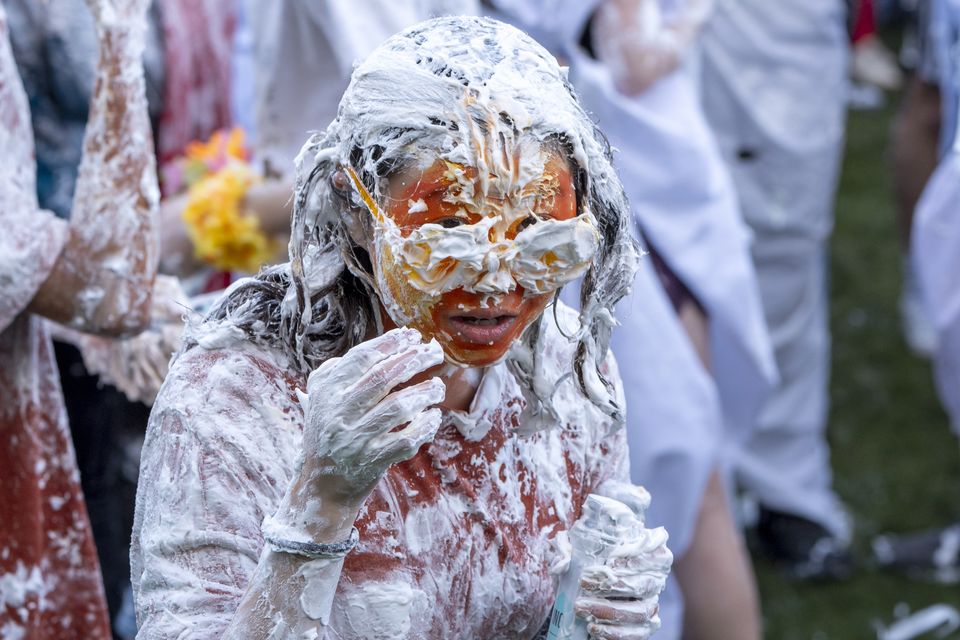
{"type": "Point", "coordinates": [455, 542]}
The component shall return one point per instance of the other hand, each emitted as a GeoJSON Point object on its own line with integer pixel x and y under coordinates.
{"type": "Point", "coordinates": [620, 599]}
{"type": "Point", "coordinates": [138, 365]}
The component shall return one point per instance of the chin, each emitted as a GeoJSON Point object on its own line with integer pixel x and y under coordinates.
{"type": "Point", "coordinates": [480, 357]}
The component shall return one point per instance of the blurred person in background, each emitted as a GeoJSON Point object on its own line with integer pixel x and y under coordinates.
{"type": "Point", "coordinates": [935, 554]}
{"type": "Point", "coordinates": [95, 274]}
{"type": "Point", "coordinates": [692, 346]}
{"type": "Point", "coordinates": [55, 46]}
{"type": "Point", "coordinates": [914, 153]}
{"type": "Point", "coordinates": [185, 61]}
{"type": "Point", "coordinates": [774, 90]}
{"type": "Point", "coordinates": [638, 74]}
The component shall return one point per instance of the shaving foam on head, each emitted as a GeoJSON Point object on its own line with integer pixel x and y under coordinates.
{"type": "Point", "coordinates": [485, 98]}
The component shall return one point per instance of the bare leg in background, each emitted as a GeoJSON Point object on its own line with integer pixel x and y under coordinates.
{"type": "Point", "coordinates": [715, 574]}
{"type": "Point", "coordinates": [716, 577]}
{"type": "Point", "coordinates": [915, 137]}
{"type": "Point", "coordinates": [914, 153]}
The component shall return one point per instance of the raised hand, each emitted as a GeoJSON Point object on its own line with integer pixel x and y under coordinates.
{"type": "Point", "coordinates": [103, 279]}
{"type": "Point", "coordinates": [353, 422]}
{"type": "Point", "coordinates": [636, 43]}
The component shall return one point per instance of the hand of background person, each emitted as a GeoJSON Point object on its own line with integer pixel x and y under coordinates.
{"type": "Point", "coordinates": [638, 45]}
{"type": "Point", "coordinates": [111, 13]}
{"type": "Point", "coordinates": [137, 366]}
{"type": "Point", "coordinates": [269, 201]}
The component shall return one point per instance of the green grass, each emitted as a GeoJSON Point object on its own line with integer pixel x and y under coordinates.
{"type": "Point", "coordinates": [896, 464]}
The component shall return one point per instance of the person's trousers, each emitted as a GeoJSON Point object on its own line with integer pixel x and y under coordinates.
{"type": "Point", "coordinates": [785, 465]}
{"type": "Point", "coordinates": [787, 200]}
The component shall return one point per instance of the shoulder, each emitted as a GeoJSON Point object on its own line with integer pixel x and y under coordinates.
{"type": "Point", "coordinates": [221, 443]}
{"type": "Point", "coordinates": [237, 366]}
{"type": "Point", "coordinates": [231, 401]}
{"type": "Point", "coordinates": [222, 440]}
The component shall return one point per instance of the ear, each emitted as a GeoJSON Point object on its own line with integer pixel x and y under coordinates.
{"type": "Point", "coordinates": [355, 219]}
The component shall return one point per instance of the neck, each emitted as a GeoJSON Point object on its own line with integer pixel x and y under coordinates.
{"type": "Point", "coordinates": [462, 384]}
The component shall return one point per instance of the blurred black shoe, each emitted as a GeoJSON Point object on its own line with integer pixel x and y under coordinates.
{"type": "Point", "coordinates": [929, 555]}
{"type": "Point", "coordinates": [802, 548]}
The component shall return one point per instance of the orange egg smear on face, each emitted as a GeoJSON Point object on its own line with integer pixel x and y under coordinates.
{"type": "Point", "coordinates": [471, 255]}
{"type": "Point", "coordinates": [478, 331]}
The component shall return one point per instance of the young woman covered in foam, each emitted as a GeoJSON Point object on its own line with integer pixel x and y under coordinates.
{"type": "Point", "coordinates": [459, 188]}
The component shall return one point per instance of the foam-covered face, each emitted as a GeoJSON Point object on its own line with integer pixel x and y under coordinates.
{"type": "Point", "coordinates": [472, 256]}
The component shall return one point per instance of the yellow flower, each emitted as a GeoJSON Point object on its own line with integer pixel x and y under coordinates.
{"type": "Point", "coordinates": [222, 234]}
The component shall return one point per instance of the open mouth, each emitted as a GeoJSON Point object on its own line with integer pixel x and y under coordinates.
{"type": "Point", "coordinates": [483, 322]}
{"type": "Point", "coordinates": [482, 329]}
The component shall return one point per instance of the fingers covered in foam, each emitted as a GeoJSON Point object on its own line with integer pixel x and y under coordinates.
{"type": "Point", "coordinates": [617, 612]}
{"type": "Point", "coordinates": [355, 425]}
{"type": "Point", "coordinates": [348, 369]}
{"type": "Point", "coordinates": [404, 444]}
{"type": "Point", "coordinates": [601, 631]}
{"type": "Point", "coordinates": [402, 406]}
{"type": "Point", "coordinates": [619, 597]}
{"type": "Point", "coordinates": [374, 385]}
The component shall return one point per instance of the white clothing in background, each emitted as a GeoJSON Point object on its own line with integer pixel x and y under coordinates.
{"type": "Point", "coordinates": [936, 254]}
{"type": "Point", "coordinates": [945, 38]}
{"type": "Point", "coordinates": [243, 70]}
{"type": "Point", "coordinates": [679, 415]}
{"type": "Point", "coordinates": [683, 201]}
{"type": "Point", "coordinates": [936, 225]}
{"type": "Point", "coordinates": [774, 90]}
{"type": "Point", "coordinates": [674, 424]}
{"type": "Point", "coordinates": [556, 24]}
{"type": "Point", "coordinates": [306, 50]}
